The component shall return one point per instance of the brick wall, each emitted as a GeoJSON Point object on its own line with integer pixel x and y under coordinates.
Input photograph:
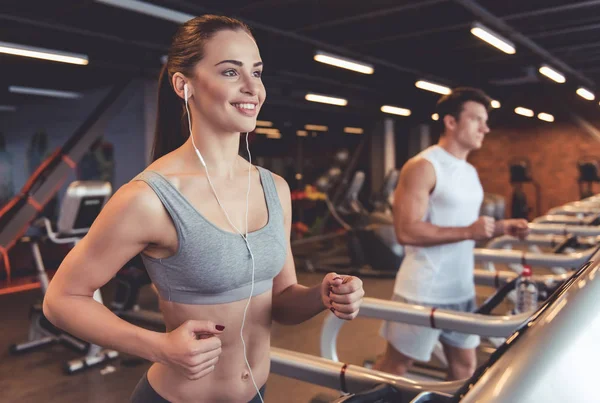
{"type": "Point", "coordinates": [553, 151]}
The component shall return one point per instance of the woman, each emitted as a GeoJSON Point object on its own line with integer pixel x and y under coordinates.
{"type": "Point", "coordinates": [212, 229]}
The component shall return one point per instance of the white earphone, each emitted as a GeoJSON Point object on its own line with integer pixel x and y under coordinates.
{"type": "Point", "coordinates": [186, 95]}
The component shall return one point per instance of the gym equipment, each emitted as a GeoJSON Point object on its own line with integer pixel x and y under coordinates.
{"type": "Point", "coordinates": [493, 205]}
{"type": "Point", "coordinates": [366, 247]}
{"type": "Point", "coordinates": [539, 353]}
{"type": "Point", "coordinates": [520, 173]}
{"type": "Point", "coordinates": [81, 205]}
{"type": "Point", "coordinates": [588, 174]}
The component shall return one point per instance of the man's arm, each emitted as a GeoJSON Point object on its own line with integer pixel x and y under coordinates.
{"type": "Point", "coordinates": [411, 198]}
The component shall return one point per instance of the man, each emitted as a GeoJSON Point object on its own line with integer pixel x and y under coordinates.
{"type": "Point", "coordinates": [436, 216]}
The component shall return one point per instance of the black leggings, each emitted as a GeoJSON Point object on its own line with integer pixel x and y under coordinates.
{"type": "Point", "coordinates": [144, 393]}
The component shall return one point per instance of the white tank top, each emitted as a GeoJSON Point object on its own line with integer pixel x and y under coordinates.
{"type": "Point", "coordinates": [443, 274]}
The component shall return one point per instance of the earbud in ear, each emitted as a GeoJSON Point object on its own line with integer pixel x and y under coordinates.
{"type": "Point", "coordinates": [185, 91]}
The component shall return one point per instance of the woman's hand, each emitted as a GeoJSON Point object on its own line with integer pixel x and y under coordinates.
{"type": "Point", "coordinates": [342, 295]}
{"type": "Point", "coordinates": [192, 348]}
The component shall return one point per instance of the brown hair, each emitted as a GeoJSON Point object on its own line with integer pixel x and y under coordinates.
{"type": "Point", "coordinates": [187, 49]}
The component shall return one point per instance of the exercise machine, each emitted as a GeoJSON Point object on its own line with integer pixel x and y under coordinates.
{"type": "Point", "coordinates": [81, 205]}
{"type": "Point", "coordinates": [533, 365]}
{"type": "Point", "coordinates": [588, 175]}
{"type": "Point", "coordinates": [520, 173]}
{"type": "Point", "coordinates": [365, 246]}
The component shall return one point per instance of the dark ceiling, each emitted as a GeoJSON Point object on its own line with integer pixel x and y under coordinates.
{"type": "Point", "coordinates": [404, 40]}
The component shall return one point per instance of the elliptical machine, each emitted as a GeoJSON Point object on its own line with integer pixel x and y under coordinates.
{"type": "Point", "coordinates": [80, 207]}
{"type": "Point", "coordinates": [520, 173]}
{"type": "Point", "coordinates": [588, 174]}
{"type": "Point", "coordinates": [368, 244]}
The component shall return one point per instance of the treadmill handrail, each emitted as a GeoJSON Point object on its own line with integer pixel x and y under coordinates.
{"type": "Point", "coordinates": [346, 377]}
{"type": "Point", "coordinates": [499, 278]}
{"type": "Point", "coordinates": [571, 260]}
{"type": "Point", "coordinates": [464, 322]}
{"type": "Point", "coordinates": [562, 229]}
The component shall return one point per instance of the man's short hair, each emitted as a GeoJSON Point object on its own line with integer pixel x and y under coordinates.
{"type": "Point", "coordinates": [452, 104]}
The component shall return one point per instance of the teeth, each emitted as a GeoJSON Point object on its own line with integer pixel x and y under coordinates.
{"type": "Point", "coordinates": [245, 106]}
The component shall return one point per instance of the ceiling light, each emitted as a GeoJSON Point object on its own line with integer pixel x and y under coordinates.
{"type": "Point", "coordinates": [435, 116]}
{"type": "Point", "coordinates": [489, 36]}
{"type": "Point", "coordinates": [353, 130]}
{"type": "Point", "coordinates": [274, 135]}
{"type": "Point", "coordinates": [326, 100]}
{"type": "Point", "coordinates": [552, 74]}
{"type": "Point", "coordinates": [316, 128]}
{"type": "Point", "coordinates": [43, 92]}
{"type": "Point", "coordinates": [394, 110]}
{"type": "Point", "coordinates": [45, 54]}
{"type": "Point", "coordinates": [301, 133]}
{"type": "Point", "coordinates": [495, 104]}
{"type": "Point", "coordinates": [264, 130]}
{"type": "Point", "coordinates": [437, 88]}
{"type": "Point", "coordinates": [524, 112]}
{"type": "Point", "coordinates": [264, 123]}
{"type": "Point", "coordinates": [7, 108]}
{"type": "Point", "coordinates": [586, 94]}
{"type": "Point", "coordinates": [545, 117]}
{"type": "Point", "coordinates": [344, 63]}
{"type": "Point", "coordinates": [149, 9]}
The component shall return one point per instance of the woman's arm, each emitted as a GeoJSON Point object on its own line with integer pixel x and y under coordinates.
{"type": "Point", "coordinates": [123, 229]}
{"type": "Point", "coordinates": [294, 303]}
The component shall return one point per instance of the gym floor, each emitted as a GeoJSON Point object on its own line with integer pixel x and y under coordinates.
{"type": "Point", "coordinates": [37, 376]}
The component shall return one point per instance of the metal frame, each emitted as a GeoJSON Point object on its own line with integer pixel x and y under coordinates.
{"type": "Point", "coordinates": [575, 259]}
{"type": "Point", "coordinates": [346, 377]}
{"type": "Point", "coordinates": [483, 325]}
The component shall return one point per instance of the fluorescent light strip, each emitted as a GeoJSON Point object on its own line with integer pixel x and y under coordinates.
{"type": "Point", "coordinates": [274, 135]}
{"type": "Point", "coordinates": [545, 117]}
{"type": "Point", "coordinates": [149, 9]}
{"type": "Point", "coordinates": [326, 99]}
{"type": "Point", "coordinates": [43, 92]}
{"type": "Point", "coordinates": [585, 94]}
{"type": "Point", "coordinates": [437, 88]}
{"type": "Point", "coordinates": [394, 110]}
{"type": "Point", "coordinates": [343, 63]}
{"type": "Point", "coordinates": [524, 112]}
{"type": "Point", "coordinates": [353, 130]}
{"type": "Point", "coordinates": [489, 36]}
{"type": "Point", "coordinates": [44, 54]}
{"type": "Point", "coordinates": [316, 128]}
{"type": "Point", "coordinates": [552, 74]}
{"type": "Point", "coordinates": [7, 108]}
{"type": "Point", "coordinates": [264, 123]}
{"type": "Point", "coordinates": [435, 116]}
{"type": "Point", "coordinates": [264, 130]}
{"type": "Point", "coordinates": [301, 133]}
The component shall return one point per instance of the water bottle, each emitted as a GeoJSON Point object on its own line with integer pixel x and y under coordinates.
{"type": "Point", "coordinates": [527, 292]}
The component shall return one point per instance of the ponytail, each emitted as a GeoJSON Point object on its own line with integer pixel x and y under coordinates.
{"type": "Point", "coordinates": [169, 134]}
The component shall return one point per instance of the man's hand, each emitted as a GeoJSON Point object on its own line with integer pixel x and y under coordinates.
{"type": "Point", "coordinates": [516, 227]}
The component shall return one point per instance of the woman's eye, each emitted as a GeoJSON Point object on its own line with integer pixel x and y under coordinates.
{"type": "Point", "coordinates": [258, 73]}
{"type": "Point", "coordinates": [230, 73]}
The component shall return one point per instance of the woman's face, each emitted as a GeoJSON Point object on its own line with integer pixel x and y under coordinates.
{"type": "Point", "coordinates": [227, 86]}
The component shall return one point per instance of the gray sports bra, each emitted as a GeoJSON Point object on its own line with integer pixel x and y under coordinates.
{"type": "Point", "coordinates": [211, 265]}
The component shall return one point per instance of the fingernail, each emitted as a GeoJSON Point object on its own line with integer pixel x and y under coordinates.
{"type": "Point", "coordinates": [220, 327]}
{"type": "Point", "coordinates": [332, 310]}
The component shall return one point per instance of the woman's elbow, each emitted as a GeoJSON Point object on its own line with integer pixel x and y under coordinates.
{"type": "Point", "coordinates": [48, 306]}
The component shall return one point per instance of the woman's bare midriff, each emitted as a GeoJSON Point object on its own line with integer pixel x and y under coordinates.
{"type": "Point", "coordinates": [230, 381]}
